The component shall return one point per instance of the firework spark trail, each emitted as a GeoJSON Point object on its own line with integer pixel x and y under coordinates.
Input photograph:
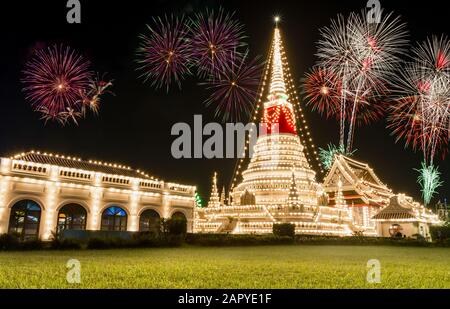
{"type": "Point", "coordinates": [234, 90]}
{"type": "Point", "coordinates": [53, 80]}
{"type": "Point", "coordinates": [164, 55]}
{"type": "Point", "coordinates": [215, 38]}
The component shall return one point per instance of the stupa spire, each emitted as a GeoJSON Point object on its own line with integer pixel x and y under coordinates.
{"type": "Point", "coordinates": [277, 81]}
{"type": "Point", "coordinates": [278, 110]}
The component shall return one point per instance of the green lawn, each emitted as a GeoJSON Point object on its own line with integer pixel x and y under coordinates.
{"type": "Point", "coordinates": [236, 267]}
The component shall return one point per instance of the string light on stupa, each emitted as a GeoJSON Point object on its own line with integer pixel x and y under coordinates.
{"type": "Point", "coordinates": [237, 170]}
{"type": "Point", "coordinates": [305, 134]}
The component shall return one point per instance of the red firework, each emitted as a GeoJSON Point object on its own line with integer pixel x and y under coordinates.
{"type": "Point", "coordinates": [235, 89]}
{"type": "Point", "coordinates": [54, 81]}
{"type": "Point", "coordinates": [92, 96]}
{"type": "Point", "coordinates": [406, 123]}
{"type": "Point", "coordinates": [420, 114]}
{"type": "Point", "coordinates": [215, 38]}
{"type": "Point", "coordinates": [164, 55]}
{"type": "Point", "coordinates": [323, 91]}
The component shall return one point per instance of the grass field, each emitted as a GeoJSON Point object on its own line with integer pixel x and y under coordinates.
{"type": "Point", "coordinates": [236, 267]}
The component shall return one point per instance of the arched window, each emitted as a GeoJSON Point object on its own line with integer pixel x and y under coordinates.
{"type": "Point", "coordinates": [149, 221]}
{"type": "Point", "coordinates": [72, 217]}
{"type": "Point", "coordinates": [25, 219]}
{"type": "Point", "coordinates": [114, 219]}
{"type": "Point", "coordinates": [179, 216]}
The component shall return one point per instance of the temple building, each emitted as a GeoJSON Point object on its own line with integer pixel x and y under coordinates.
{"type": "Point", "coordinates": [42, 194]}
{"type": "Point", "coordinates": [404, 218]}
{"type": "Point", "coordinates": [362, 191]}
{"type": "Point", "coordinates": [279, 185]}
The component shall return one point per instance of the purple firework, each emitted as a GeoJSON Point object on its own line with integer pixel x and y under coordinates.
{"type": "Point", "coordinates": [164, 53]}
{"type": "Point", "coordinates": [54, 81]}
{"type": "Point", "coordinates": [235, 88]}
{"type": "Point", "coordinates": [215, 37]}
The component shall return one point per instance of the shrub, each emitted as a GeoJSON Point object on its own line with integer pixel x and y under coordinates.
{"type": "Point", "coordinates": [177, 226]}
{"type": "Point", "coordinates": [32, 244]}
{"type": "Point", "coordinates": [12, 242]}
{"type": "Point", "coordinates": [226, 240]}
{"type": "Point", "coordinates": [284, 229]}
{"type": "Point", "coordinates": [440, 234]}
{"type": "Point", "coordinates": [65, 244]}
{"type": "Point", "coordinates": [8, 242]}
{"type": "Point", "coordinates": [98, 243]}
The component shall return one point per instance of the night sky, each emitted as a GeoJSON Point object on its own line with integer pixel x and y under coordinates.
{"type": "Point", "coordinates": [133, 127]}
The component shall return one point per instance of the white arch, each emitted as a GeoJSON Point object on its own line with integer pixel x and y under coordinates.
{"type": "Point", "coordinates": [150, 207]}
{"type": "Point", "coordinates": [73, 201]}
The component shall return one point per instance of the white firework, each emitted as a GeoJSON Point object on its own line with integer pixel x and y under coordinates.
{"type": "Point", "coordinates": [363, 56]}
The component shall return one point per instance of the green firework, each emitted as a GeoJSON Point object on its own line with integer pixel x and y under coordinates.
{"type": "Point", "coordinates": [429, 180]}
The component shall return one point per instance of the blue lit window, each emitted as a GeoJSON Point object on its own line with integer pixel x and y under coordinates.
{"type": "Point", "coordinates": [114, 218]}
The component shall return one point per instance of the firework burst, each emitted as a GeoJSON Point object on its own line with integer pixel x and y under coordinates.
{"type": "Point", "coordinates": [59, 84]}
{"type": "Point", "coordinates": [164, 55]}
{"type": "Point", "coordinates": [235, 89]}
{"type": "Point", "coordinates": [215, 38]}
{"type": "Point", "coordinates": [362, 57]}
{"type": "Point", "coordinates": [429, 180]}
{"type": "Point", "coordinates": [327, 156]}
{"type": "Point", "coordinates": [92, 97]}
{"type": "Point", "coordinates": [322, 91]}
{"type": "Point", "coordinates": [420, 113]}
{"type": "Point", "coordinates": [54, 80]}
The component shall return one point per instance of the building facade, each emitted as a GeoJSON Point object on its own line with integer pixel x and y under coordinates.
{"type": "Point", "coordinates": [42, 194]}
{"type": "Point", "coordinates": [361, 189]}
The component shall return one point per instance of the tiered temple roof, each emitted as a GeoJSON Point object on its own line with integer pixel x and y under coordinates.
{"type": "Point", "coordinates": [360, 184]}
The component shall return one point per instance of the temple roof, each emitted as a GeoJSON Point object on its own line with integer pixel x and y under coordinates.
{"type": "Point", "coordinates": [77, 163]}
{"type": "Point", "coordinates": [394, 212]}
{"type": "Point", "coordinates": [353, 171]}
